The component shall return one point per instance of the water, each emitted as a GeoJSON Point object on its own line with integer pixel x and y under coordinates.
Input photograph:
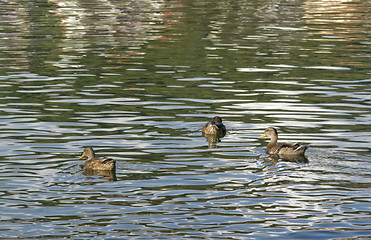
{"type": "Point", "coordinates": [138, 79]}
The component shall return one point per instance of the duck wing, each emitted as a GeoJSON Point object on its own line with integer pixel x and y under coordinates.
{"type": "Point", "coordinates": [106, 160]}
{"type": "Point", "coordinates": [291, 148]}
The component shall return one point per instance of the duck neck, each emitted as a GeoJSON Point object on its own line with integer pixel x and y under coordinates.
{"type": "Point", "coordinates": [273, 141]}
{"type": "Point", "coordinates": [90, 154]}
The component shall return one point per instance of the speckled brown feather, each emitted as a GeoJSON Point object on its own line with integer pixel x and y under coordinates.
{"type": "Point", "coordinates": [216, 126]}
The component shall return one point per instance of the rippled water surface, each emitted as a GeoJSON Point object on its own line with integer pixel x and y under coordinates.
{"type": "Point", "coordinates": [137, 80]}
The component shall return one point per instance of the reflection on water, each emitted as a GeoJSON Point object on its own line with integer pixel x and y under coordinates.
{"type": "Point", "coordinates": [109, 175]}
{"type": "Point", "coordinates": [288, 158]}
{"type": "Point", "coordinates": [139, 79]}
{"type": "Point", "coordinates": [213, 139]}
{"type": "Point", "coordinates": [335, 22]}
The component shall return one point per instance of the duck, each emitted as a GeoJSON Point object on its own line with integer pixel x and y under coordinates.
{"type": "Point", "coordinates": [101, 163]}
{"type": "Point", "coordinates": [282, 149]}
{"type": "Point", "coordinates": [215, 126]}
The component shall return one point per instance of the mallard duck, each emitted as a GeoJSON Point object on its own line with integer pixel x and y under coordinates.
{"type": "Point", "coordinates": [282, 149]}
{"type": "Point", "coordinates": [102, 163]}
{"type": "Point", "coordinates": [216, 126]}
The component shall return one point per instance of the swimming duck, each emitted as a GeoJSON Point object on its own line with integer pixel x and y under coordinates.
{"type": "Point", "coordinates": [282, 149]}
{"type": "Point", "coordinates": [216, 126]}
{"type": "Point", "coordinates": [94, 163]}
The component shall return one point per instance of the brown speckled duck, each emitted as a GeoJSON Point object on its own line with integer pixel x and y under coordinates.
{"type": "Point", "coordinates": [282, 149]}
{"type": "Point", "coordinates": [216, 126]}
{"type": "Point", "coordinates": [93, 163]}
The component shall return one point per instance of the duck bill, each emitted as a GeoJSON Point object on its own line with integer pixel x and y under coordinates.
{"type": "Point", "coordinates": [263, 135]}
{"type": "Point", "coordinates": [82, 156]}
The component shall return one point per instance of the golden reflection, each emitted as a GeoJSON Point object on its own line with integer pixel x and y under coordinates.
{"type": "Point", "coordinates": [340, 26]}
{"type": "Point", "coordinates": [335, 11]}
{"type": "Point", "coordinates": [325, 17]}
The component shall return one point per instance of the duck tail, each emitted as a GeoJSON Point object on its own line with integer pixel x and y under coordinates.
{"type": "Point", "coordinates": [301, 148]}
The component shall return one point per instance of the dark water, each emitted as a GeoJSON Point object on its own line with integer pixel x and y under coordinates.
{"type": "Point", "coordinates": [138, 79]}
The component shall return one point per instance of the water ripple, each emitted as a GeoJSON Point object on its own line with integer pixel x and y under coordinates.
{"type": "Point", "coordinates": [137, 80]}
